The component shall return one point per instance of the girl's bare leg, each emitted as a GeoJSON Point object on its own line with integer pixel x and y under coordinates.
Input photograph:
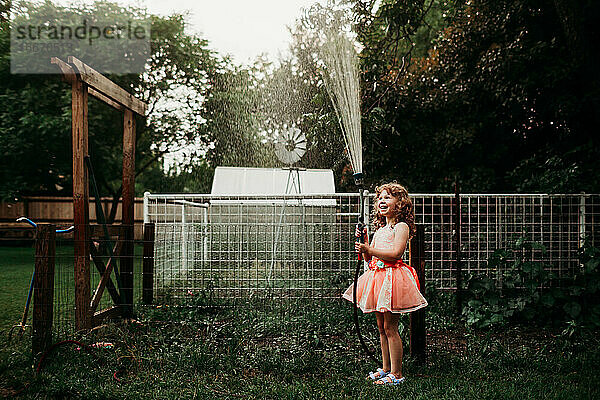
{"type": "Point", "coordinates": [385, 352]}
{"type": "Point", "coordinates": [394, 342]}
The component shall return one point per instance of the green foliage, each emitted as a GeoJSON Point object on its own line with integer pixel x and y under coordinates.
{"type": "Point", "coordinates": [502, 94]}
{"type": "Point", "coordinates": [496, 100]}
{"type": "Point", "coordinates": [233, 123]}
{"type": "Point", "coordinates": [440, 313]}
{"type": "Point", "coordinates": [519, 290]}
{"type": "Point", "coordinates": [197, 179]}
{"type": "Point", "coordinates": [35, 116]}
{"type": "Point", "coordinates": [326, 148]}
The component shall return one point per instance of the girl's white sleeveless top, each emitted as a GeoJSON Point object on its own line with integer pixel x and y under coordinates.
{"type": "Point", "coordinates": [383, 238]}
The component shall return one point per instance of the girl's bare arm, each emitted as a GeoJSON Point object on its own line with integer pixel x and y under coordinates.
{"type": "Point", "coordinates": [359, 247]}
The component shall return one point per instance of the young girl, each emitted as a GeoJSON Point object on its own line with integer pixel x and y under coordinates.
{"type": "Point", "coordinates": [389, 287]}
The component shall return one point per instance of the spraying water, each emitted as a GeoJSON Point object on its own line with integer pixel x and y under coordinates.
{"type": "Point", "coordinates": [342, 83]}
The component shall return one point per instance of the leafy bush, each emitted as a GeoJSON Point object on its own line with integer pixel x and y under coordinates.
{"type": "Point", "coordinates": [523, 291]}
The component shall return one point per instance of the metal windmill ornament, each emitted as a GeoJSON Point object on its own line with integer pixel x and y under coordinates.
{"type": "Point", "coordinates": [290, 145]}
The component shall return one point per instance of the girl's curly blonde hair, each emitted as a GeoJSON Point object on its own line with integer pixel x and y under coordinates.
{"type": "Point", "coordinates": [404, 207]}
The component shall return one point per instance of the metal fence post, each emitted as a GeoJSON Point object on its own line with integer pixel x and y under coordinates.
{"type": "Point", "coordinates": [148, 264]}
{"type": "Point", "coordinates": [457, 237]}
{"type": "Point", "coordinates": [581, 239]}
{"type": "Point", "coordinates": [418, 338]}
{"type": "Point", "coordinates": [146, 207]}
{"type": "Point", "coordinates": [184, 239]}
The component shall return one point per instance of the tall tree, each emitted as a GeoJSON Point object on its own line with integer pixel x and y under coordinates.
{"type": "Point", "coordinates": [501, 100]}
{"type": "Point", "coordinates": [35, 120]}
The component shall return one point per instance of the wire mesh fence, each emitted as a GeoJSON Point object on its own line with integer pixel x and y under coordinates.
{"type": "Point", "coordinates": [105, 253]}
{"type": "Point", "coordinates": [64, 287]}
{"type": "Point", "coordinates": [301, 246]}
{"type": "Point", "coordinates": [285, 251]}
{"type": "Point", "coordinates": [244, 247]}
{"type": "Point", "coordinates": [560, 223]}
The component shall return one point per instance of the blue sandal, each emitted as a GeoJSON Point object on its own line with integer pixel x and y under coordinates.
{"type": "Point", "coordinates": [380, 373]}
{"type": "Point", "coordinates": [389, 380]}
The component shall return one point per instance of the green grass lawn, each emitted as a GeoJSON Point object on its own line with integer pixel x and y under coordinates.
{"type": "Point", "coordinates": [223, 354]}
{"type": "Point", "coordinates": [301, 351]}
{"type": "Point", "coordinates": [16, 267]}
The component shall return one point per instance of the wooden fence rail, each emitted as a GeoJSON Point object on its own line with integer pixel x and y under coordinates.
{"type": "Point", "coordinates": [55, 210]}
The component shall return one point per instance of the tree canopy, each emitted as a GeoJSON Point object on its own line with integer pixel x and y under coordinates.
{"type": "Point", "coordinates": [503, 100]}
{"type": "Point", "coordinates": [501, 95]}
{"type": "Point", "coordinates": [35, 125]}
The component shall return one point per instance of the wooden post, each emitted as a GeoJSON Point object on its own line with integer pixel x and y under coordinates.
{"type": "Point", "coordinates": [43, 288]}
{"type": "Point", "coordinates": [148, 264]}
{"type": "Point", "coordinates": [457, 237]}
{"type": "Point", "coordinates": [85, 80]}
{"type": "Point", "coordinates": [418, 339]}
{"type": "Point", "coordinates": [128, 210]}
{"type": "Point", "coordinates": [79, 102]}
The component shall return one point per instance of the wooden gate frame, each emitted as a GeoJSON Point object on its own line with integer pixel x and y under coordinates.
{"type": "Point", "coordinates": [85, 80]}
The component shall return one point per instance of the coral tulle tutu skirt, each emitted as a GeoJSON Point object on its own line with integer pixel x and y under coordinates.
{"type": "Point", "coordinates": [387, 287]}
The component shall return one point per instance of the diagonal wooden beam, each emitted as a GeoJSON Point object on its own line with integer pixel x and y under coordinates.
{"type": "Point", "coordinates": [107, 87]}
{"type": "Point", "coordinates": [110, 312]}
{"type": "Point", "coordinates": [68, 76]}
{"type": "Point", "coordinates": [101, 285]}
{"type": "Point", "coordinates": [105, 99]}
{"type": "Point", "coordinates": [67, 71]}
{"type": "Point", "coordinates": [112, 290]}
{"type": "Point", "coordinates": [105, 277]}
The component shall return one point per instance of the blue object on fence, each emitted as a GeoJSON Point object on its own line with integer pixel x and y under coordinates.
{"type": "Point", "coordinates": [22, 325]}
{"type": "Point", "coordinates": [25, 219]}
{"type": "Point", "coordinates": [30, 222]}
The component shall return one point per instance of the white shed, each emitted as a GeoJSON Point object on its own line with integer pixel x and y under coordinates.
{"type": "Point", "coordinates": [271, 181]}
{"type": "Point", "coordinates": [242, 181]}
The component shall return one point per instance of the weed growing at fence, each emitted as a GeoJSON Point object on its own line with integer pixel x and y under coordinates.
{"type": "Point", "coordinates": [519, 290]}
